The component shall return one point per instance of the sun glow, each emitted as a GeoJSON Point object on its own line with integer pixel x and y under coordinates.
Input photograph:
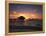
{"type": "Point", "coordinates": [29, 15]}
{"type": "Point", "coordinates": [26, 15]}
{"type": "Point", "coordinates": [34, 16]}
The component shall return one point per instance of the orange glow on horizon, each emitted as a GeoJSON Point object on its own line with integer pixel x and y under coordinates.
{"type": "Point", "coordinates": [26, 15]}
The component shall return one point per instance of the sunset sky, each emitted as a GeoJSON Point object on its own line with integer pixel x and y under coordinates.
{"type": "Point", "coordinates": [27, 10]}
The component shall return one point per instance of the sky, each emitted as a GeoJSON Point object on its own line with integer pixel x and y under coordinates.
{"type": "Point", "coordinates": [26, 10]}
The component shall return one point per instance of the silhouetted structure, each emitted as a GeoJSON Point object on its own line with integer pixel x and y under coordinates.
{"type": "Point", "coordinates": [20, 21]}
{"type": "Point", "coordinates": [21, 18]}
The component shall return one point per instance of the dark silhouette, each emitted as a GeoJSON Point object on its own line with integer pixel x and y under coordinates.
{"type": "Point", "coordinates": [20, 21]}
{"type": "Point", "coordinates": [21, 18]}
